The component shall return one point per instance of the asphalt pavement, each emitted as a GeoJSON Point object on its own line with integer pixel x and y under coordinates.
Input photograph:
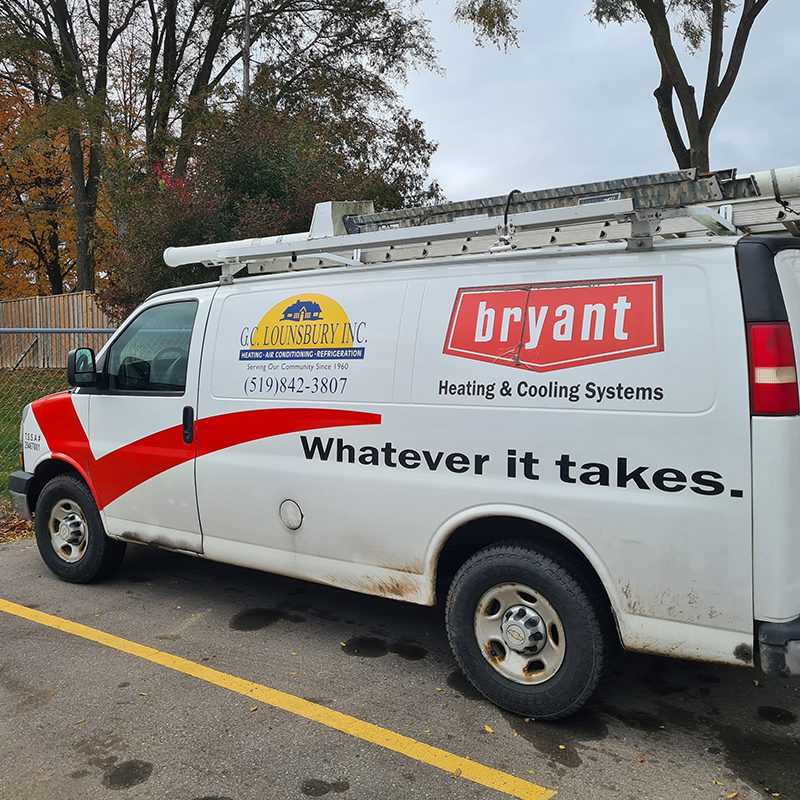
{"type": "Point", "coordinates": [81, 718]}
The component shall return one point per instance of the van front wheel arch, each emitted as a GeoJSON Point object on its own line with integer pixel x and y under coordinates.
{"type": "Point", "coordinates": [70, 534]}
{"type": "Point", "coordinates": [527, 630]}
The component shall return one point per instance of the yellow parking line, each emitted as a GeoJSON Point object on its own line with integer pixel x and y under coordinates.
{"type": "Point", "coordinates": [405, 745]}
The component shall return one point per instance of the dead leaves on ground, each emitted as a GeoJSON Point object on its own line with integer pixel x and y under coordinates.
{"type": "Point", "coordinates": [12, 528]}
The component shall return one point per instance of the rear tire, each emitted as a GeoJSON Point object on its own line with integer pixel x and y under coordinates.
{"type": "Point", "coordinates": [527, 630]}
{"type": "Point", "coordinates": [70, 534]}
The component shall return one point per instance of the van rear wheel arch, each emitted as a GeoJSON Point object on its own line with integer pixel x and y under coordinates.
{"type": "Point", "coordinates": [480, 532]}
{"type": "Point", "coordinates": [527, 629]}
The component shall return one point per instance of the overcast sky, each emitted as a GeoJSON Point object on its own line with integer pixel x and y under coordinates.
{"type": "Point", "coordinates": [573, 103]}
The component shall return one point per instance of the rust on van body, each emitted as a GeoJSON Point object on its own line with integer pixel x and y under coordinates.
{"type": "Point", "coordinates": [174, 543]}
{"type": "Point", "coordinates": [394, 587]}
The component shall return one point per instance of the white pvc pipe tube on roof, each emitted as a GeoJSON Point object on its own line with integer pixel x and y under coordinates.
{"type": "Point", "coordinates": [788, 181]}
{"type": "Point", "coordinates": [217, 251]}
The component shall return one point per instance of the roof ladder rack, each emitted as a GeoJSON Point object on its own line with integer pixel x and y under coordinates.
{"type": "Point", "coordinates": [659, 191]}
{"type": "Point", "coordinates": [635, 210]}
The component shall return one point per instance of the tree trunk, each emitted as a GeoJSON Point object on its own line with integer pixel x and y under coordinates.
{"type": "Point", "coordinates": [165, 90]}
{"type": "Point", "coordinates": [84, 217]}
{"type": "Point", "coordinates": [196, 101]}
{"type": "Point", "coordinates": [663, 96]}
{"type": "Point", "coordinates": [190, 118]}
{"type": "Point", "coordinates": [700, 152]}
{"type": "Point", "coordinates": [53, 262]}
{"type": "Point", "coordinates": [674, 80]}
{"type": "Point", "coordinates": [84, 246]}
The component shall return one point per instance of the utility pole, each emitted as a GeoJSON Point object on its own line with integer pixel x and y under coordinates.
{"type": "Point", "coordinates": [246, 52]}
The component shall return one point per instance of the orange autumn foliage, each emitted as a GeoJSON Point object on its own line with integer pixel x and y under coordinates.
{"type": "Point", "coordinates": [35, 197]}
{"type": "Point", "coordinates": [37, 225]}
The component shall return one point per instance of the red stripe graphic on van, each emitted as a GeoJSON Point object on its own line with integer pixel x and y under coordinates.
{"type": "Point", "coordinates": [119, 471]}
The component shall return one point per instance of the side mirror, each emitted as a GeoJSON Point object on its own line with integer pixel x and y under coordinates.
{"type": "Point", "coordinates": [81, 368]}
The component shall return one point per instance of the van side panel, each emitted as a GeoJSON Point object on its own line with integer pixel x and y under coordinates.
{"type": "Point", "coordinates": [776, 469]}
{"type": "Point", "coordinates": [606, 392]}
{"type": "Point", "coordinates": [316, 363]}
{"type": "Point", "coordinates": [570, 440]}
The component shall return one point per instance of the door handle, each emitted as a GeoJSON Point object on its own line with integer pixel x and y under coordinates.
{"type": "Point", "coordinates": [188, 424]}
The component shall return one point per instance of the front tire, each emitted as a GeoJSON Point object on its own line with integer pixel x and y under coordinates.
{"type": "Point", "coordinates": [70, 534]}
{"type": "Point", "coordinates": [527, 630]}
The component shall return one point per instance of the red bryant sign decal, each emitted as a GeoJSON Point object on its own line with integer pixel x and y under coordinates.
{"type": "Point", "coordinates": [549, 326]}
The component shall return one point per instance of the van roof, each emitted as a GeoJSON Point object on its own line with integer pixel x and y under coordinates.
{"type": "Point", "coordinates": [632, 210]}
{"type": "Point", "coordinates": [774, 242]}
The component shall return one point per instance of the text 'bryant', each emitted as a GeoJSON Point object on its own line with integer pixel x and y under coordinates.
{"type": "Point", "coordinates": [549, 326]}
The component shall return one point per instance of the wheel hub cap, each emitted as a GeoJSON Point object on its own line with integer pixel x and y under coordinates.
{"type": "Point", "coordinates": [520, 633]}
{"type": "Point", "coordinates": [523, 629]}
{"type": "Point", "coordinates": [70, 529]}
{"type": "Point", "coordinates": [69, 534]}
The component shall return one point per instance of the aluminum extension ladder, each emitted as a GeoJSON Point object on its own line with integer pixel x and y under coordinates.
{"type": "Point", "coordinates": [635, 210]}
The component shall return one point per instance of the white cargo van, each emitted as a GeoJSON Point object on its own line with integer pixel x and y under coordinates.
{"type": "Point", "coordinates": [572, 415]}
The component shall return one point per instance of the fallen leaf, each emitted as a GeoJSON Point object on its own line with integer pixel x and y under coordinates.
{"type": "Point", "coordinates": [439, 689]}
{"type": "Point", "coordinates": [717, 783]}
{"type": "Point", "coordinates": [776, 794]}
{"type": "Point", "coordinates": [514, 733]}
{"type": "Point", "coordinates": [294, 673]}
{"type": "Point", "coordinates": [732, 795]}
{"type": "Point", "coordinates": [343, 644]}
{"type": "Point", "coordinates": [488, 728]}
{"type": "Point", "coordinates": [254, 708]}
{"type": "Point", "coordinates": [427, 730]}
{"type": "Point", "coordinates": [531, 772]}
{"type": "Point", "coordinates": [562, 747]}
{"type": "Point", "coordinates": [295, 653]}
{"type": "Point", "coordinates": [640, 759]}
{"type": "Point", "coordinates": [80, 722]}
{"type": "Point", "coordinates": [457, 773]}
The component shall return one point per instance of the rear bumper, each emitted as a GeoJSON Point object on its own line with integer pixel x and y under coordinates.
{"type": "Point", "coordinates": [779, 647]}
{"type": "Point", "coordinates": [18, 484]}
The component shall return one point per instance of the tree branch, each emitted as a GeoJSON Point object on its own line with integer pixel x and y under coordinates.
{"type": "Point", "coordinates": [655, 15]}
{"type": "Point", "coordinates": [115, 32]}
{"type": "Point", "coordinates": [716, 34]}
{"type": "Point", "coordinates": [196, 8]}
{"type": "Point", "coordinates": [90, 15]}
{"type": "Point", "coordinates": [663, 95]}
{"type": "Point", "coordinates": [750, 11]}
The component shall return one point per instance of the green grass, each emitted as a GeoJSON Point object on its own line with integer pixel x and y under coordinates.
{"type": "Point", "coordinates": [18, 388]}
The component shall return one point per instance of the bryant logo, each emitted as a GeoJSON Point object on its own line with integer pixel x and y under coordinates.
{"type": "Point", "coordinates": [548, 326]}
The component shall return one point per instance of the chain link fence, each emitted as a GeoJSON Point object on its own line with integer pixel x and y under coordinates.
{"type": "Point", "coordinates": [33, 363]}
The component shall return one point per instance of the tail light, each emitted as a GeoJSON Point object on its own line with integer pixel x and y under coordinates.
{"type": "Point", "coordinates": [773, 372]}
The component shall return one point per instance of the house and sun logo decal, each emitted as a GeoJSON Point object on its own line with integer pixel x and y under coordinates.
{"type": "Point", "coordinates": [304, 327]}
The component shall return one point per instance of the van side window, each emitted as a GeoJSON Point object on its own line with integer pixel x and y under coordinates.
{"type": "Point", "coordinates": [152, 353]}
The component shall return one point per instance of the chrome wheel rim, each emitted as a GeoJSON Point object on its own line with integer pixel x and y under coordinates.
{"type": "Point", "coordinates": [519, 633]}
{"type": "Point", "coordinates": [69, 535]}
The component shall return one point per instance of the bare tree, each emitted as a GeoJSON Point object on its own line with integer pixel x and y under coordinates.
{"type": "Point", "coordinates": [195, 47]}
{"type": "Point", "coordinates": [701, 24]}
